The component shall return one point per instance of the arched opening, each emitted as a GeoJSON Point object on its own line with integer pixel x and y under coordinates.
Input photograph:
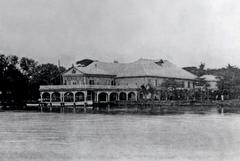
{"type": "Point", "coordinates": [79, 97]}
{"type": "Point", "coordinates": [131, 96]}
{"type": "Point", "coordinates": [46, 97]}
{"type": "Point", "coordinates": [56, 97]}
{"type": "Point", "coordinates": [68, 97]}
{"type": "Point", "coordinates": [102, 97]}
{"type": "Point", "coordinates": [113, 96]}
{"type": "Point", "coordinates": [122, 96]}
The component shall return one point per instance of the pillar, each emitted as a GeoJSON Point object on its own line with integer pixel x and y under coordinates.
{"type": "Point", "coordinates": [74, 102]}
{"type": "Point", "coordinates": [50, 108]}
{"type": "Point", "coordinates": [50, 93]}
{"type": "Point", "coordinates": [62, 96]}
{"type": "Point", "coordinates": [74, 99]}
{"type": "Point", "coordinates": [117, 99]}
{"type": "Point", "coordinates": [97, 96]}
{"type": "Point", "coordinates": [85, 96]}
{"type": "Point", "coordinates": [136, 96]}
{"type": "Point", "coordinates": [108, 96]}
{"type": "Point", "coordinates": [41, 95]}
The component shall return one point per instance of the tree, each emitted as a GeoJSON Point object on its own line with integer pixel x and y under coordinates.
{"type": "Point", "coordinates": [48, 74]}
{"type": "Point", "coordinates": [13, 82]}
{"type": "Point", "coordinates": [201, 70]}
{"type": "Point", "coordinates": [148, 91]}
{"type": "Point", "coordinates": [28, 66]}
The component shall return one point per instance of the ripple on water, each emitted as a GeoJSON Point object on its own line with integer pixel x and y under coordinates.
{"type": "Point", "coordinates": [50, 136]}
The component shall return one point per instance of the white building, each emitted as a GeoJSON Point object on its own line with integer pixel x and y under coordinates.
{"type": "Point", "coordinates": [103, 81]}
{"type": "Point", "coordinates": [212, 80]}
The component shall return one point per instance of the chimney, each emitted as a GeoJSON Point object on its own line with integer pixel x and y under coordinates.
{"type": "Point", "coordinates": [160, 62]}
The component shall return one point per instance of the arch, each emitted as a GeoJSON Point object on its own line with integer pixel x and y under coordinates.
{"type": "Point", "coordinates": [46, 97]}
{"type": "Point", "coordinates": [79, 97]}
{"type": "Point", "coordinates": [123, 96]}
{"type": "Point", "coordinates": [102, 97]}
{"type": "Point", "coordinates": [131, 96]}
{"type": "Point", "coordinates": [113, 96]}
{"type": "Point", "coordinates": [68, 97]}
{"type": "Point", "coordinates": [56, 97]}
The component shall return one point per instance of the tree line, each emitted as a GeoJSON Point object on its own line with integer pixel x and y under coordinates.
{"type": "Point", "coordinates": [20, 79]}
{"type": "Point", "coordinates": [229, 78]}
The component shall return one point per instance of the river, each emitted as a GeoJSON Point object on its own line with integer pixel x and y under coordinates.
{"type": "Point", "coordinates": [99, 137]}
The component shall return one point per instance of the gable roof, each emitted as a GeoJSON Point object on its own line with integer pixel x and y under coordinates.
{"type": "Point", "coordinates": [141, 67]}
{"type": "Point", "coordinates": [72, 71]}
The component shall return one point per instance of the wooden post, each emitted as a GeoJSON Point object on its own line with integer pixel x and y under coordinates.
{"type": "Point", "coordinates": [85, 107]}
{"type": "Point", "coordinates": [50, 107]}
{"type": "Point", "coordinates": [222, 110]}
{"type": "Point", "coordinates": [41, 107]}
{"type": "Point", "coordinates": [41, 96]}
{"type": "Point", "coordinates": [74, 107]}
{"type": "Point", "coordinates": [108, 107]}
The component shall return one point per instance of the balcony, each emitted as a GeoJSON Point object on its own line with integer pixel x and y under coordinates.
{"type": "Point", "coordinates": [84, 87]}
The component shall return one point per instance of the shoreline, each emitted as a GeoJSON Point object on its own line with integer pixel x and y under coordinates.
{"type": "Point", "coordinates": [147, 107]}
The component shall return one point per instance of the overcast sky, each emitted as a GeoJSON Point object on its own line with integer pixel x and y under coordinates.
{"type": "Point", "coordinates": [185, 32]}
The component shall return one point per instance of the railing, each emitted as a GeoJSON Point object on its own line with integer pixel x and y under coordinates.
{"type": "Point", "coordinates": [62, 87]}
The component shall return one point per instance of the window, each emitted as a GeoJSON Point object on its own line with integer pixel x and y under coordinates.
{"type": "Point", "coordinates": [113, 83]}
{"type": "Point", "coordinates": [91, 82]}
{"type": "Point", "coordinates": [189, 84]}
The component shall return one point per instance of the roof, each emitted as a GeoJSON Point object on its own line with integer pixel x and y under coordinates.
{"type": "Point", "coordinates": [141, 67]}
{"type": "Point", "coordinates": [148, 67]}
{"type": "Point", "coordinates": [209, 77]}
{"type": "Point", "coordinates": [104, 68]}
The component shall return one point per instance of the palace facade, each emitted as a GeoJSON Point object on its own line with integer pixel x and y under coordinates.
{"type": "Point", "coordinates": [105, 82]}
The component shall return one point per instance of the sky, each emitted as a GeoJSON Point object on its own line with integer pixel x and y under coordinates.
{"type": "Point", "coordinates": [185, 32]}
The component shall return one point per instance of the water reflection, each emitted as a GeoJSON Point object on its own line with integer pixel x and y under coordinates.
{"type": "Point", "coordinates": [43, 136]}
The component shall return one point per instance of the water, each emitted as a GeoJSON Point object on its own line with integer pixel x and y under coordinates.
{"type": "Point", "coordinates": [94, 137]}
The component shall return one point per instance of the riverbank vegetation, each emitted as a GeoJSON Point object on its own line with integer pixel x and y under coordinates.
{"type": "Point", "coordinates": [20, 79]}
{"type": "Point", "coordinates": [229, 79]}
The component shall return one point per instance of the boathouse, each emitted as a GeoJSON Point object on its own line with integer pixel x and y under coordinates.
{"type": "Point", "coordinates": [106, 82]}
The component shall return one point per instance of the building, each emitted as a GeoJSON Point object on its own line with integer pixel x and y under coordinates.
{"type": "Point", "coordinates": [212, 81]}
{"type": "Point", "coordinates": [104, 82]}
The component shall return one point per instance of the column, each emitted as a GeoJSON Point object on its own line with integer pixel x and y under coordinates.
{"type": "Point", "coordinates": [127, 95]}
{"type": "Point", "coordinates": [50, 108]}
{"type": "Point", "coordinates": [117, 96]}
{"type": "Point", "coordinates": [41, 100]}
{"type": "Point", "coordinates": [50, 93]}
{"type": "Point", "coordinates": [108, 96]}
{"type": "Point", "coordinates": [74, 99]}
{"type": "Point", "coordinates": [97, 96]}
{"type": "Point", "coordinates": [85, 96]}
{"type": "Point", "coordinates": [136, 96]}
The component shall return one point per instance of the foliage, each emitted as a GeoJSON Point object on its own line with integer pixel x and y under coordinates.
{"type": "Point", "coordinates": [28, 66]}
{"type": "Point", "coordinates": [229, 77]}
{"type": "Point", "coordinates": [148, 91]}
{"type": "Point", "coordinates": [20, 79]}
